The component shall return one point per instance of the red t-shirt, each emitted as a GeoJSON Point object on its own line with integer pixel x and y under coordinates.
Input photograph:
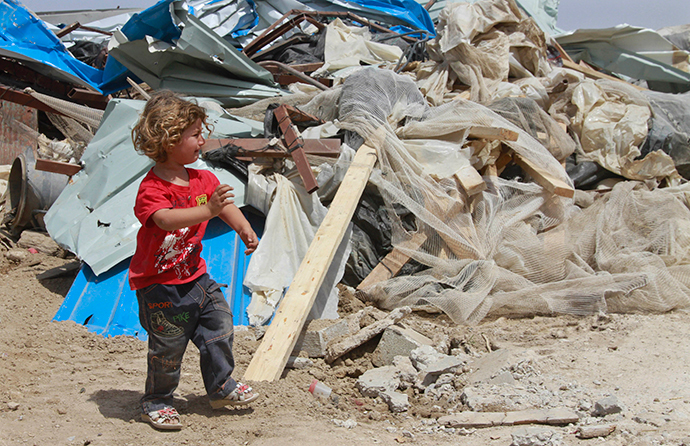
{"type": "Point", "coordinates": [169, 257]}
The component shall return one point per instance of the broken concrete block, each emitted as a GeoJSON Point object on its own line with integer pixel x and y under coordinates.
{"type": "Point", "coordinates": [595, 431]}
{"type": "Point", "coordinates": [338, 348]}
{"type": "Point", "coordinates": [298, 363]}
{"type": "Point", "coordinates": [40, 241]}
{"type": "Point", "coordinates": [447, 364]}
{"type": "Point", "coordinates": [374, 382]}
{"type": "Point", "coordinates": [423, 356]}
{"type": "Point", "coordinates": [407, 372]}
{"type": "Point", "coordinates": [493, 364]}
{"type": "Point", "coordinates": [607, 406]}
{"type": "Point", "coordinates": [397, 341]}
{"type": "Point", "coordinates": [536, 436]}
{"type": "Point", "coordinates": [318, 334]}
{"type": "Point", "coordinates": [397, 402]}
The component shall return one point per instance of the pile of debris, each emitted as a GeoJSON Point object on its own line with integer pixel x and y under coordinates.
{"type": "Point", "coordinates": [455, 159]}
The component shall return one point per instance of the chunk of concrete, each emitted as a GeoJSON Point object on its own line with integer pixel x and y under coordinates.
{"type": "Point", "coordinates": [397, 340]}
{"type": "Point", "coordinates": [317, 334]}
{"type": "Point", "coordinates": [446, 364]}
{"type": "Point", "coordinates": [492, 365]}
{"type": "Point", "coordinates": [423, 356]}
{"type": "Point", "coordinates": [397, 401]}
{"type": "Point", "coordinates": [536, 436]}
{"type": "Point", "coordinates": [607, 406]}
{"type": "Point", "coordinates": [374, 382]}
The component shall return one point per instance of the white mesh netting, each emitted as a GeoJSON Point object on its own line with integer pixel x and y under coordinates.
{"type": "Point", "coordinates": [514, 249]}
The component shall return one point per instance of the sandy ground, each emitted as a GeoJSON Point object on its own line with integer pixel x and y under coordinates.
{"type": "Point", "coordinates": [62, 385]}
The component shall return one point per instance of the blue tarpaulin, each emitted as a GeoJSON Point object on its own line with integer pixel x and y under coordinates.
{"type": "Point", "coordinates": [106, 306]}
{"type": "Point", "coordinates": [25, 37]}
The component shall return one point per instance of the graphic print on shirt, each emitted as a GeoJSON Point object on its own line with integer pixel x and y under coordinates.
{"type": "Point", "coordinates": [175, 252]}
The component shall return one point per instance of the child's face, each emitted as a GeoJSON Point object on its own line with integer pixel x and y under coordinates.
{"type": "Point", "coordinates": [186, 151]}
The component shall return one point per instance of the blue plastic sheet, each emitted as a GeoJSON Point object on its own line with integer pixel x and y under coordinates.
{"type": "Point", "coordinates": [25, 37]}
{"type": "Point", "coordinates": [106, 305]}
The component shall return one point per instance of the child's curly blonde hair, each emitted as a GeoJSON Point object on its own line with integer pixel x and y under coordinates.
{"type": "Point", "coordinates": [161, 124]}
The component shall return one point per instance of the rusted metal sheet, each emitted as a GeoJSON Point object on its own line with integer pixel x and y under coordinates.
{"type": "Point", "coordinates": [13, 141]}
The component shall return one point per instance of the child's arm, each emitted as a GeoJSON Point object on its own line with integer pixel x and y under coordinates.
{"type": "Point", "coordinates": [174, 219]}
{"type": "Point", "coordinates": [237, 221]}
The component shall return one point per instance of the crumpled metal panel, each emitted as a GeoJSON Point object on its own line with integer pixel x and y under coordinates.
{"type": "Point", "coordinates": [94, 215]}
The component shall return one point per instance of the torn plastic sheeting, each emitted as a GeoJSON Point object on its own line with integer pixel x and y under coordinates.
{"type": "Point", "coordinates": [106, 305]}
{"type": "Point", "coordinates": [635, 52]}
{"type": "Point", "coordinates": [26, 38]}
{"type": "Point", "coordinates": [198, 63]}
{"type": "Point", "coordinates": [292, 219]}
{"type": "Point", "coordinates": [94, 215]}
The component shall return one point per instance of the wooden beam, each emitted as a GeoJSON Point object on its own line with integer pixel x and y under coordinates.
{"type": "Point", "coordinates": [266, 148]}
{"type": "Point", "coordinates": [272, 355]}
{"type": "Point", "coordinates": [393, 262]}
{"type": "Point", "coordinates": [594, 74]}
{"type": "Point", "coordinates": [544, 178]}
{"type": "Point", "coordinates": [492, 133]}
{"type": "Point", "coordinates": [470, 180]}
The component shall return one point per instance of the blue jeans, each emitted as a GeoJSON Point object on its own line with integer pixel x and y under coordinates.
{"type": "Point", "coordinates": [172, 315]}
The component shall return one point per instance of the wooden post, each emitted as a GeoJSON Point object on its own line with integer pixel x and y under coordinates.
{"type": "Point", "coordinates": [280, 338]}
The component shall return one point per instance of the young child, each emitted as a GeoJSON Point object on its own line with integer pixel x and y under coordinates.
{"type": "Point", "coordinates": [178, 301]}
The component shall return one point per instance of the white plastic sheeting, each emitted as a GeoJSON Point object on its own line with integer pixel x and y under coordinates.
{"type": "Point", "coordinates": [292, 218]}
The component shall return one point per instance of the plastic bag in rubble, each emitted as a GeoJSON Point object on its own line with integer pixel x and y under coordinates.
{"type": "Point", "coordinates": [348, 46]}
{"type": "Point", "coordinates": [293, 217]}
{"type": "Point", "coordinates": [611, 122]}
{"type": "Point", "coordinates": [670, 128]}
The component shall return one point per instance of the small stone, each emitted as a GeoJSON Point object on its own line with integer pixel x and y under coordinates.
{"type": "Point", "coordinates": [607, 406]}
{"type": "Point", "coordinates": [12, 406]}
{"type": "Point", "coordinates": [61, 411]}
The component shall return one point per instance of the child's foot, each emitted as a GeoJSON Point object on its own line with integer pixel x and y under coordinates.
{"type": "Point", "coordinates": [242, 395]}
{"type": "Point", "coordinates": [164, 419]}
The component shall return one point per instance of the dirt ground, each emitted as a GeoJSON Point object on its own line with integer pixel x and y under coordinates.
{"type": "Point", "coordinates": [62, 385]}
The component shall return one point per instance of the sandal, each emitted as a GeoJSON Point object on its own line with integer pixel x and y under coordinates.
{"type": "Point", "coordinates": [241, 396]}
{"type": "Point", "coordinates": [165, 419]}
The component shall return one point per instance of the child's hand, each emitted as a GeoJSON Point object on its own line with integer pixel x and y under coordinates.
{"type": "Point", "coordinates": [251, 241]}
{"type": "Point", "coordinates": [220, 198]}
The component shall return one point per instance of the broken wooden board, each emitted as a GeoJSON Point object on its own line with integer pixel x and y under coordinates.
{"type": "Point", "coordinates": [393, 262]}
{"type": "Point", "coordinates": [554, 417]}
{"type": "Point", "coordinates": [544, 178]}
{"type": "Point", "coordinates": [492, 133]}
{"type": "Point", "coordinates": [272, 148]}
{"type": "Point", "coordinates": [470, 180]}
{"type": "Point", "coordinates": [281, 336]}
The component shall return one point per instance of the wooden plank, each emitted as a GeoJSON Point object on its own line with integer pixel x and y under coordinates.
{"type": "Point", "coordinates": [470, 180]}
{"type": "Point", "coordinates": [57, 167]}
{"type": "Point", "coordinates": [543, 178]}
{"type": "Point", "coordinates": [269, 148]}
{"type": "Point", "coordinates": [280, 338]}
{"type": "Point", "coordinates": [492, 133]}
{"type": "Point", "coordinates": [594, 74]}
{"type": "Point", "coordinates": [393, 262]}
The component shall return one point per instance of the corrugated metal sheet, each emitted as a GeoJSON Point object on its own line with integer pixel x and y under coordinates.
{"type": "Point", "coordinates": [106, 306]}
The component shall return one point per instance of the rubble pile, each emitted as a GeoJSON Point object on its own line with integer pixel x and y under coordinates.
{"type": "Point", "coordinates": [471, 167]}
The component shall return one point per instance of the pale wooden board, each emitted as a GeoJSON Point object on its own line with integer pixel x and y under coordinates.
{"type": "Point", "coordinates": [543, 178]}
{"type": "Point", "coordinates": [280, 338]}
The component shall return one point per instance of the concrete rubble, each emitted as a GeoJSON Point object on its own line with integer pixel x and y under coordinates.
{"type": "Point", "coordinates": [513, 177]}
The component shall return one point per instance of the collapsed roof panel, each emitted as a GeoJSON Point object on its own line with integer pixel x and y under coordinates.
{"type": "Point", "coordinates": [634, 52]}
{"type": "Point", "coordinates": [168, 48]}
